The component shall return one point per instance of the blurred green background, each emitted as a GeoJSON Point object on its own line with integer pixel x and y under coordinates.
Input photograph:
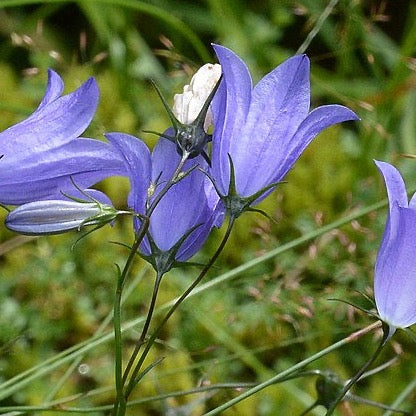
{"type": "Point", "coordinates": [53, 299]}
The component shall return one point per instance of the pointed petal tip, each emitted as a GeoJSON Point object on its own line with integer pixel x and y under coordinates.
{"type": "Point", "coordinates": [224, 52]}
{"type": "Point", "coordinates": [52, 74]}
{"type": "Point", "coordinates": [54, 89]}
{"type": "Point", "coordinates": [302, 58]}
{"type": "Point", "coordinates": [91, 86]}
{"type": "Point", "coordinates": [380, 164]}
{"type": "Point", "coordinates": [386, 169]}
{"type": "Point", "coordinates": [348, 114]}
{"type": "Point", "coordinates": [396, 188]}
{"type": "Point", "coordinates": [343, 113]}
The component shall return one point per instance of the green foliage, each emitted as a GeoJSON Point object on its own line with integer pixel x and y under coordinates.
{"type": "Point", "coordinates": [272, 315]}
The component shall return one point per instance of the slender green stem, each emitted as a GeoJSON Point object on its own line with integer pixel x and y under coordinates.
{"type": "Point", "coordinates": [153, 337]}
{"type": "Point", "coordinates": [21, 380]}
{"type": "Point", "coordinates": [282, 375]}
{"type": "Point", "coordinates": [318, 25]}
{"type": "Point", "coordinates": [120, 404]}
{"type": "Point", "coordinates": [357, 399]}
{"type": "Point", "coordinates": [145, 329]}
{"type": "Point", "coordinates": [386, 336]}
{"type": "Point", "coordinates": [149, 212]}
{"type": "Point", "coordinates": [108, 320]}
{"type": "Point", "coordinates": [120, 378]}
{"type": "Point", "coordinates": [59, 405]}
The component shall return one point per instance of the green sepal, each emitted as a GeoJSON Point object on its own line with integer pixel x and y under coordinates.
{"type": "Point", "coordinates": [178, 263]}
{"type": "Point", "coordinates": [367, 311]}
{"type": "Point", "coordinates": [106, 215]}
{"type": "Point", "coordinates": [200, 119]}
{"type": "Point", "coordinates": [261, 212]}
{"type": "Point", "coordinates": [175, 122]}
{"type": "Point", "coordinates": [84, 235]}
{"type": "Point", "coordinates": [184, 174]}
{"type": "Point", "coordinates": [191, 139]}
{"type": "Point", "coordinates": [165, 136]}
{"type": "Point", "coordinates": [163, 261]}
{"type": "Point", "coordinates": [236, 204]}
{"type": "Point", "coordinates": [365, 296]}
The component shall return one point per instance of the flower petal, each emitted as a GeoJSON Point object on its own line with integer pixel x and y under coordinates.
{"type": "Point", "coordinates": [210, 215]}
{"type": "Point", "coordinates": [395, 270]}
{"type": "Point", "coordinates": [53, 89]}
{"type": "Point", "coordinates": [184, 205]}
{"type": "Point", "coordinates": [230, 107]}
{"type": "Point", "coordinates": [136, 157]}
{"type": "Point", "coordinates": [396, 189]}
{"type": "Point", "coordinates": [279, 103]}
{"type": "Point", "coordinates": [47, 174]}
{"type": "Point", "coordinates": [317, 120]}
{"type": "Point", "coordinates": [53, 124]}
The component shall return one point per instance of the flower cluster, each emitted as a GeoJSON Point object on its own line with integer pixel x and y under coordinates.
{"type": "Point", "coordinates": [182, 189]}
{"type": "Point", "coordinates": [187, 185]}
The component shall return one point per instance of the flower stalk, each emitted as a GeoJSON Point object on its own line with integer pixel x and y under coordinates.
{"type": "Point", "coordinates": [386, 336]}
{"type": "Point", "coordinates": [176, 305]}
{"type": "Point", "coordinates": [120, 404]}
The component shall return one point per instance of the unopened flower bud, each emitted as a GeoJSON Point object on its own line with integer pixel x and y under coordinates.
{"type": "Point", "coordinates": [58, 216]}
{"type": "Point", "coordinates": [187, 105]}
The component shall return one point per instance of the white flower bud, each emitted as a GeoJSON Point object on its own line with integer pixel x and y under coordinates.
{"type": "Point", "coordinates": [186, 106]}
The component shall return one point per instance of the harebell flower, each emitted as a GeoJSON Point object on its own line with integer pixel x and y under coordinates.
{"type": "Point", "coordinates": [260, 132]}
{"type": "Point", "coordinates": [395, 270]}
{"type": "Point", "coordinates": [180, 190]}
{"type": "Point", "coordinates": [42, 153]}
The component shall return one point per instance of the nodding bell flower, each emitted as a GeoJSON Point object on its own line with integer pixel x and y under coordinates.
{"type": "Point", "coordinates": [43, 154]}
{"type": "Point", "coordinates": [58, 216]}
{"type": "Point", "coordinates": [260, 132]}
{"type": "Point", "coordinates": [191, 115]}
{"type": "Point", "coordinates": [395, 269]}
{"type": "Point", "coordinates": [185, 215]}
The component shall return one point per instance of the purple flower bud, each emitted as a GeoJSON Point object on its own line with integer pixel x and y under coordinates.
{"type": "Point", "coordinates": [395, 269]}
{"type": "Point", "coordinates": [42, 153]}
{"type": "Point", "coordinates": [264, 129]}
{"type": "Point", "coordinates": [58, 216]}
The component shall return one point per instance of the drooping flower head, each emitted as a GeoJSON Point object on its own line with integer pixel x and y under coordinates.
{"type": "Point", "coordinates": [264, 130]}
{"type": "Point", "coordinates": [183, 218]}
{"type": "Point", "coordinates": [395, 269]}
{"type": "Point", "coordinates": [43, 155]}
